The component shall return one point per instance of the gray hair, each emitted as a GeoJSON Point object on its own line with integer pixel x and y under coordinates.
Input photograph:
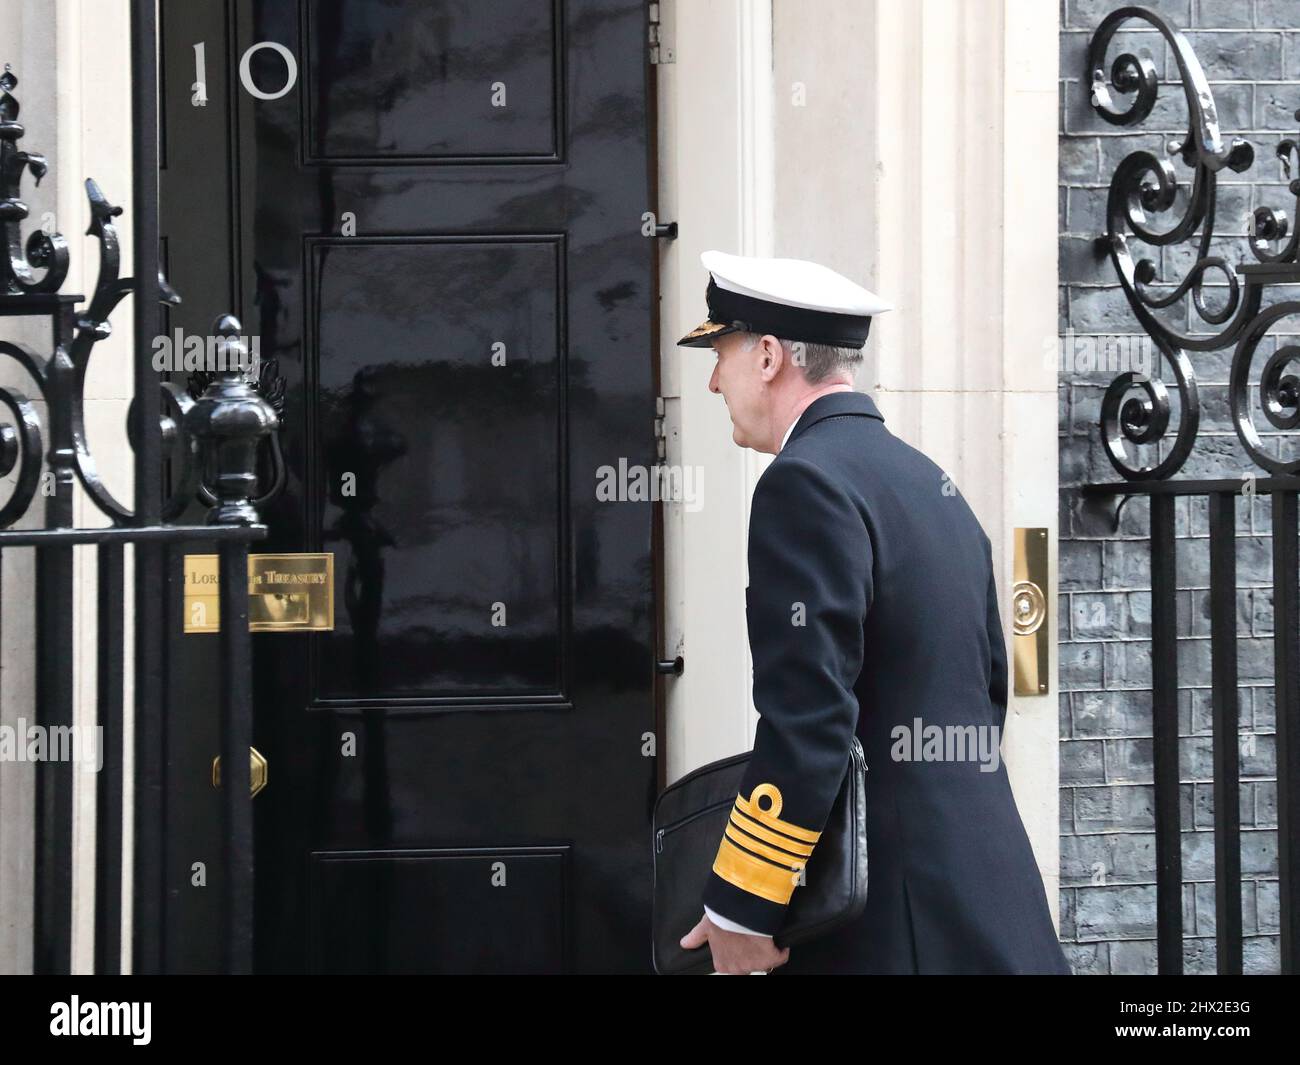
{"type": "Point", "coordinates": [817, 361]}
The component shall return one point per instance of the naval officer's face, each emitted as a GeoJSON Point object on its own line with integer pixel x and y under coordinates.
{"type": "Point", "coordinates": [742, 377]}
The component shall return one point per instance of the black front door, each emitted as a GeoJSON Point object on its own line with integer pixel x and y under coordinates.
{"type": "Point", "coordinates": [436, 234]}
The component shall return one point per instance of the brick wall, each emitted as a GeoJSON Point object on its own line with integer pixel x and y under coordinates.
{"type": "Point", "coordinates": [1250, 51]}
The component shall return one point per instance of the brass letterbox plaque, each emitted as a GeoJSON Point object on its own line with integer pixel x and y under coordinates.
{"type": "Point", "coordinates": [286, 593]}
{"type": "Point", "coordinates": [1029, 613]}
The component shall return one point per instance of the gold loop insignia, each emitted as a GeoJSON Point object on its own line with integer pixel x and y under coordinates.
{"type": "Point", "coordinates": [772, 792]}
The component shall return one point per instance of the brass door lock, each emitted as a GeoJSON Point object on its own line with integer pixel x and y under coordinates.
{"type": "Point", "coordinates": [257, 766]}
{"type": "Point", "coordinates": [1029, 612]}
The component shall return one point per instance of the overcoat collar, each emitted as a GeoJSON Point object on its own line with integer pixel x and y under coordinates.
{"type": "Point", "coordinates": [833, 404]}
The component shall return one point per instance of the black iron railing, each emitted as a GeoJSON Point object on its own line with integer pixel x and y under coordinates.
{"type": "Point", "coordinates": [1135, 427]}
{"type": "Point", "coordinates": [210, 448]}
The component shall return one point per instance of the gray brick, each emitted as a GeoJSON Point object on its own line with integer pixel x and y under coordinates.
{"type": "Point", "coordinates": [1199, 957]}
{"type": "Point", "coordinates": [1066, 898]}
{"type": "Point", "coordinates": [1087, 14]}
{"type": "Point", "coordinates": [1178, 259]}
{"type": "Point", "coordinates": [1128, 665]}
{"type": "Point", "coordinates": [1102, 310]}
{"type": "Point", "coordinates": [1087, 212]}
{"type": "Point", "coordinates": [1080, 565]}
{"type": "Point", "coordinates": [1127, 564]}
{"type": "Point", "coordinates": [1266, 804]}
{"type": "Point", "coordinates": [1102, 859]}
{"type": "Point", "coordinates": [1268, 911]}
{"type": "Point", "coordinates": [1202, 720]}
{"type": "Point", "coordinates": [1223, 14]}
{"type": "Point", "coordinates": [1194, 662]}
{"type": "Point", "coordinates": [1254, 560]}
{"type": "Point", "coordinates": [1290, 47]}
{"type": "Point", "coordinates": [1093, 516]}
{"type": "Point", "coordinates": [1246, 804]}
{"type": "Point", "coordinates": [1198, 855]}
{"type": "Point", "coordinates": [1193, 562]}
{"type": "Point", "coordinates": [1237, 56]}
{"type": "Point", "coordinates": [1274, 14]}
{"type": "Point", "coordinates": [1275, 106]}
{"type": "Point", "coordinates": [1129, 761]}
{"type": "Point", "coordinates": [1083, 464]}
{"type": "Point", "coordinates": [1098, 616]}
{"type": "Point", "coordinates": [1215, 456]}
{"type": "Point", "coordinates": [1116, 808]}
{"type": "Point", "coordinates": [1104, 714]}
{"type": "Point", "coordinates": [1199, 599]}
{"type": "Point", "coordinates": [1199, 517]}
{"type": "Point", "coordinates": [1257, 755]}
{"type": "Point", "coordinates": [1234, 103]}
{"type": "Point", "coordinates": [1065, 809]}
{"type": "Point", "coordinates": [1215, 411]}
{"type": "Point", "coordinates": [1255, 659]}
{"type": "Point", "coordinates": [1138, 605]}
{"type": "Point", "coordinates": [1203, 923]}
{"type": "Point", "coordinates": [1262, 611]}
{"type": "Point", "coordinates": [1085, 405]}
{"type": "Point", "coordinates": [1136, 957]}
{"type": "Point", "coordinates": [1258, 853]}
{"type": "Point", "coordinates": [1078, 260]}
{"type": "Point", "coordinates": [1082, 762]}
{"type": "Point", "coordinates": [1205, 805]}
{"type": "Point", "coordinates": [1265, 709]}
{"type": "Point", "coordinates": [1261, 956]}
{"type": "Point", "coordinates": [1088, 959]}
{"type": "Point", "coordinates": [1116, 912]}
{"type": "Point", "coordinates": [1079, 159]}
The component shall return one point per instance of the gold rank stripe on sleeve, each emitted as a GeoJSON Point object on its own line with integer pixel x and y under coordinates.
{"type": "Point", "coordinates": [751, 827]}
{"type": "Point", "coordinates": [773, 854]}
{"type": "Point", "coordinates": [754, 874]}
{"type": "Point", "coordinates": [745, 860]}
{"type": "Point", "coordinates": [771, 816]}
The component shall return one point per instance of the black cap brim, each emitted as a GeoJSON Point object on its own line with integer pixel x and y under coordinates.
{"type": "Point", "coordinates": [703, 334]}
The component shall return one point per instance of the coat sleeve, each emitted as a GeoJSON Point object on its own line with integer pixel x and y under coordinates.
{"type": "Point", "coordinates": [997, 652]}
{"type": "Point", "coordinates": [810, 587]}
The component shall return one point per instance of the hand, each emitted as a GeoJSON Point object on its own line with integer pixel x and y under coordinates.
{"type": "Point", "coordinates": [735, 953]}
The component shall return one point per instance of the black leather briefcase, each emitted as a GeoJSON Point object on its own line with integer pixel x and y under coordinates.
{"type": "Point", "coordinates": [689, 819]}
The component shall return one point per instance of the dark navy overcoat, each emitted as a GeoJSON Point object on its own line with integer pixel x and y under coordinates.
{"type": "Point", "coordinates": [872, 608]}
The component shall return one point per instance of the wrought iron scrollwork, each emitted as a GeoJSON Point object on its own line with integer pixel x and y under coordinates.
{"type": "Point", "coordinates": [60, 378]}
{"type": "Point", "coordinates": [45, 251]}
{"type": "Point", "coordinates": [1145, 187]}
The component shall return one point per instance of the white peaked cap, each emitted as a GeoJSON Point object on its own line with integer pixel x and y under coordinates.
{"type": "Point", "coordinates": [790, 298]}
{"type": "Point", "coordinates": [792, 282]}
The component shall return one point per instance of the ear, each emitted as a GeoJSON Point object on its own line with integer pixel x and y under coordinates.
{"type": "Point", "coordinates": [773, 357]}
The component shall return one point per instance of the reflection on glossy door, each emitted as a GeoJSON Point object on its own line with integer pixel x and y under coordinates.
{"type": "Point", "coordinates": [436, 234]}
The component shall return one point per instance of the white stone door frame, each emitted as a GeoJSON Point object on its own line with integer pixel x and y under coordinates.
{"type": "Point", "coordinates": [913, 147]}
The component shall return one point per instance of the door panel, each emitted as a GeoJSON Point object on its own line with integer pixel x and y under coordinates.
{"type": "Point", "coordinates": [455, 462]}
{"type": "Point", "coordinates": [456, 778]}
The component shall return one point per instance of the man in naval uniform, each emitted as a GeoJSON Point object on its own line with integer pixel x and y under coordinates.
{"type": "Point", "coordinates": [871, 609]}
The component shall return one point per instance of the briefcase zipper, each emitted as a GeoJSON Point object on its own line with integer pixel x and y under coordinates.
{"type": "Point", "coordinates": [659, 835]}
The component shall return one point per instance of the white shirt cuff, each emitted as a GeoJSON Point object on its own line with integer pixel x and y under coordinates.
{"type": "Point", "coordinates": [728, 925]}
